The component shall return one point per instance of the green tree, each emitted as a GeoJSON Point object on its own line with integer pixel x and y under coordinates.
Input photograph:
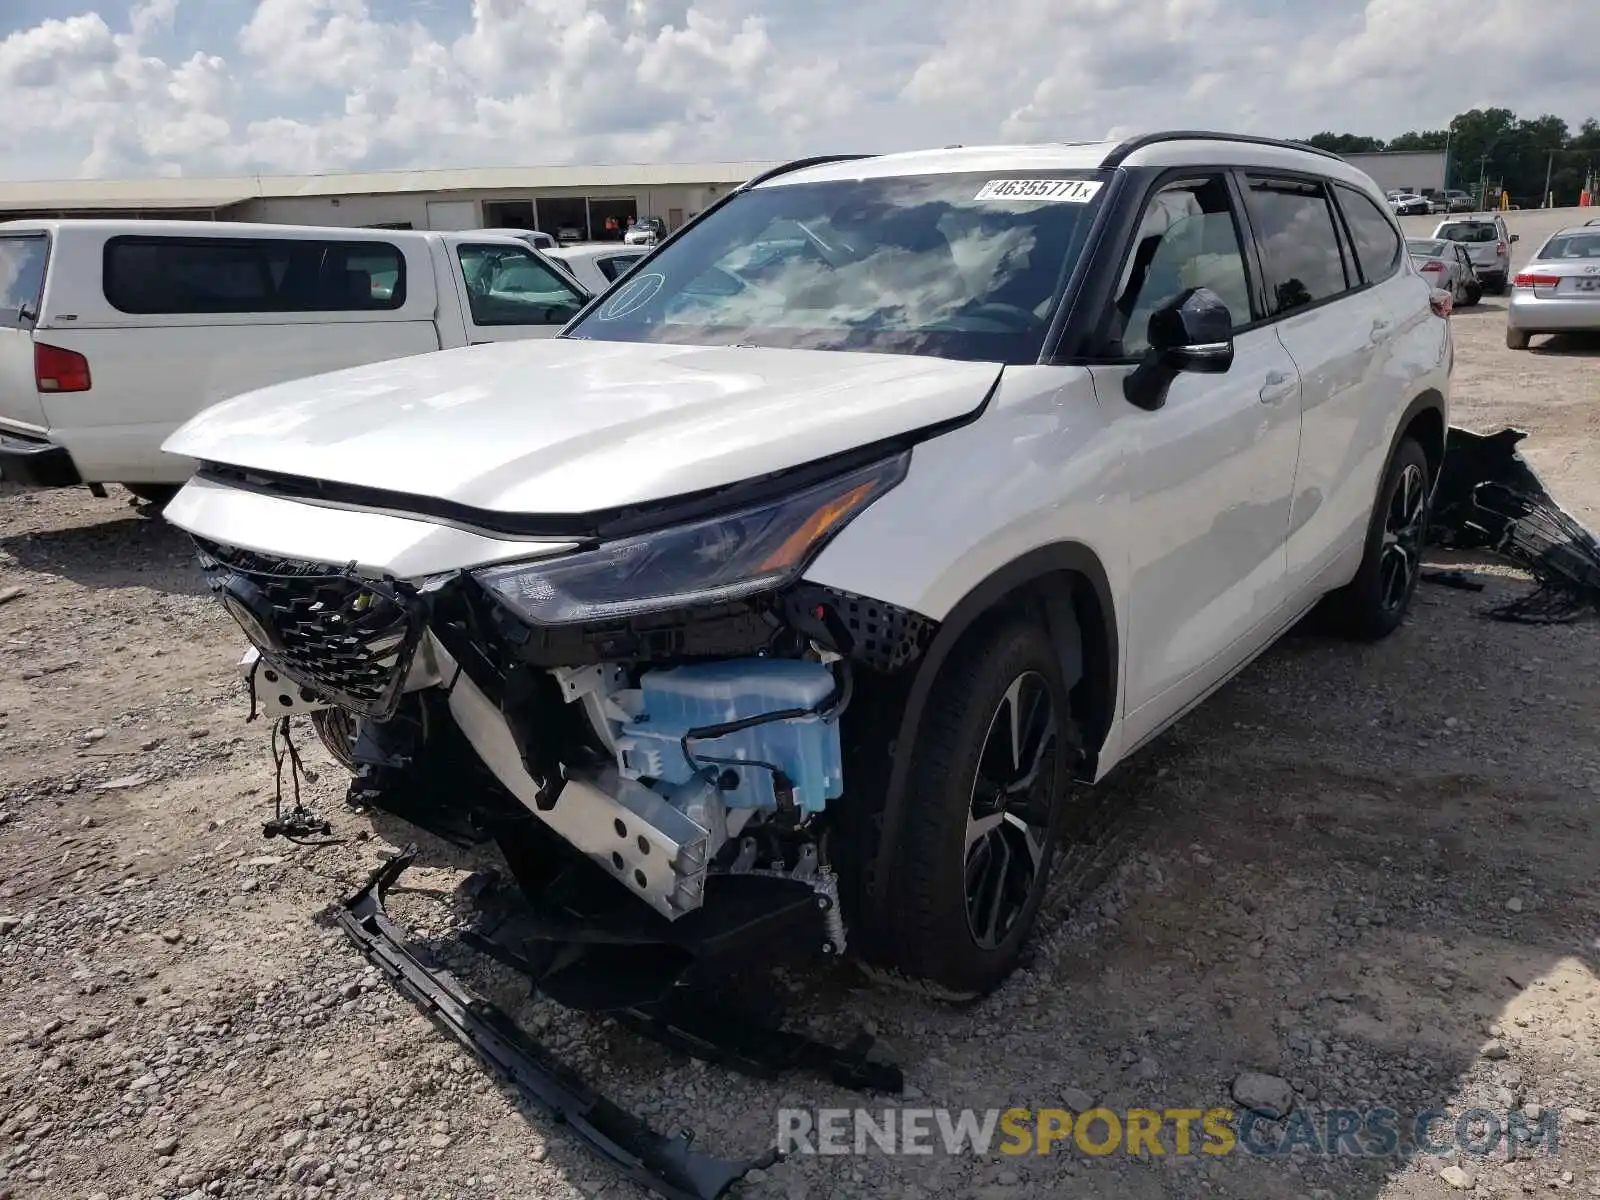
{"type": "Point", "coordinates": [1345, 143]}
{"type": "Point", "coordinates": [1428, 139]}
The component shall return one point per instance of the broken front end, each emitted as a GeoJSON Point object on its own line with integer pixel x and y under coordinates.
{"type": "Point", "coordinates": [663, 731]}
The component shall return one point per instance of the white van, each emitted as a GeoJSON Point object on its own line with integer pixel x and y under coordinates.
{"type": "Point", "coordinates": [114, 333]}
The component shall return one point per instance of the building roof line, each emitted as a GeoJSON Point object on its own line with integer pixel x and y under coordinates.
{"type": "Point", "coordinates": [165, 192]}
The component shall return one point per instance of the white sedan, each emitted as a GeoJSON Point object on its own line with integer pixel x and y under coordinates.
{"type": "Point", "coordinates": [1559, 291]}
{"type": "Point", "coordinates": [597, 265]}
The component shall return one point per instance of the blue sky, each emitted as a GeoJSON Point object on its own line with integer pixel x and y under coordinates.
{"type": "Point", "coordinates": [196, 87]}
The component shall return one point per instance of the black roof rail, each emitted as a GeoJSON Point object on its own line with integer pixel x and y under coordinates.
{"type": "Point", "coordinates": [1121, 152]}
{"type": "Point", "coordinates": [799, 164]}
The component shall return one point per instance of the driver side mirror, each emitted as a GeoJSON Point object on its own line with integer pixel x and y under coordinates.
{"type": "Point", "coordinates": [1192, 332]}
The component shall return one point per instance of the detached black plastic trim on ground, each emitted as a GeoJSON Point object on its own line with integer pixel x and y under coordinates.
{"type": "Point", "coordinates": [664, 1165]}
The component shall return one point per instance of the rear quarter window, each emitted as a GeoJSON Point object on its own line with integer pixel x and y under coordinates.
{"type": "Point", "coordinates": [22, 264]}
{"type": "Point", "coordinates": [1377, 242]}
{"type": "Point", "coordinates": [169, 275]}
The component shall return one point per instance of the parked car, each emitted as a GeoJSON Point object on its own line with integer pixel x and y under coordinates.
{"type": "Point", "coordinates": [647, 231]}
{"type": "Point", "coordinates": [742, 595]}
{"type": "Point", "coordinates": [1592, 221]}
{"type": "Point", "coordinates": [115, 332]}
{"type": "Point", "coordinates": [538, 240]}
{"type": "Point", "coordinates": [1559, 290]}
{"type": "Point", "coordinates": [1409, 205]}
{"type": "Point", "coordinates": [597, 266]}
{"type": "Point", "coordinates": [1448, 266]}
{"type": "Point", "coordinates": [1453, 200]}
{"type": "Point", "coordinates": [1488, 243]}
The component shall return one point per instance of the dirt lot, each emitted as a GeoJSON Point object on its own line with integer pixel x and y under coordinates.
{"type": "Point", "coordinates": [1367, 872]}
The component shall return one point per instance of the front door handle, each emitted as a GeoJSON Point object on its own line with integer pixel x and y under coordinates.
{"type": "Point", "coordinates": [1278, 387]}
{"type": "Point", "coordinates": [1379, 328]}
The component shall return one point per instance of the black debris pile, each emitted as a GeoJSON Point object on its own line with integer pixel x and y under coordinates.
{"type": "Point", "coordinates": [1489, 498]}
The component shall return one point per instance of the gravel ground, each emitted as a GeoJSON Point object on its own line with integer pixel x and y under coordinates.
{"type": "Point", "coordinates": [1365, 873]}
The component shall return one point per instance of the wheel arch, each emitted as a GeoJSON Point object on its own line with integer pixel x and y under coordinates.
{"type": "Point", "coordinates": [1065, 582]}
{"type": "Point", "coordinates": [1424, 420]}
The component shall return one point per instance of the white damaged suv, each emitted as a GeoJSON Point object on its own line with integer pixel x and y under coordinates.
{"type": "Point", "coordinates": [774, 606]}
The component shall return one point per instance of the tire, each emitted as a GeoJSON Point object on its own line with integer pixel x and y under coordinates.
{"type": "Point", "coordinates": [939, 937]}
{"type": "Point", "coordinates": [1372, 605]}
{"type": "Point", "coordinates": [154, 493]}
{"type": "Point", "coordinates": [1517, 339]}
{"type": "Point", "coordinates": [1474, 295]}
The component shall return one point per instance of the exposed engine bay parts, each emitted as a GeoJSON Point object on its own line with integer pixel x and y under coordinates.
{"type": "Point", "coordinates": [1488, 497]}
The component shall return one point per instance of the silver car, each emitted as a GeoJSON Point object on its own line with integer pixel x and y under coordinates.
{"type": "Point", "coordinates": [1488, 242]}
{"type": "Point", "coordinates": [1559, 290]}
{"type": "Point", "coordinates": [1448, 267]}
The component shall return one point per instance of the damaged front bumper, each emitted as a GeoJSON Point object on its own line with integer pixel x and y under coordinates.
{"type": "Point", "coordinates": [668, 1166]}
{"type": "Point", "coordinates": [658, 851]}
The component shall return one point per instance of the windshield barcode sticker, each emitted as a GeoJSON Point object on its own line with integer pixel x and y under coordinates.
{"type": "Point", "coordinates": [1069, 191]}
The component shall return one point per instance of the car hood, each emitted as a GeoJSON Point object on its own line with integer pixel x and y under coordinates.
{"type": "Point", "coordinates": [563, 425]}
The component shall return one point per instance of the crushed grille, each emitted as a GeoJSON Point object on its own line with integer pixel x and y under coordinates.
{"type": "Point", "coordinates": [348, 639]}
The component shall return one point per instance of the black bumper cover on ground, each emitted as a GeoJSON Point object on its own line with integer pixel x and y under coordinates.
{"type": "Point", "coordinates": [664, 1165]}
{"type": "Point", "coordinates": [1489, 498]}
{"type": "Point", "coordinates": [36, 464]}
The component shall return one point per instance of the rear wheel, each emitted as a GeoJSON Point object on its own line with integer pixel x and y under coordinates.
{"type": "Point", "coordinates": [1517, 339]}
{"type": "Point", "coordinates": [1375, 602]}
{"type": "Point", "coordinates": [992, 761]}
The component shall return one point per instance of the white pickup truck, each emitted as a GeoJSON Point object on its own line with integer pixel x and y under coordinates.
{"type": "Point", "coordinates": [114, 333]}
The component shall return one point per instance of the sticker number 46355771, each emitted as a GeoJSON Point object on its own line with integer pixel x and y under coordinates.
{"type": "Point", "coordinates": [1070, 191]}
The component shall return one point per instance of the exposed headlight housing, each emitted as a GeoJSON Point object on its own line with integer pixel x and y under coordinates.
{"type": "Point", "coordinates": [719, 558]}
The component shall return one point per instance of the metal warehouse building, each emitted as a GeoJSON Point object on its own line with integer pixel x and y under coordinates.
{"type": "Point", "coordinates": [1421, 172]}
{"type": "Point", "coordinates": [574, 199]}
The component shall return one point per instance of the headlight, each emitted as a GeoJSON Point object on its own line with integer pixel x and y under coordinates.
{"type": "Point", "coordinates": [719, 558]}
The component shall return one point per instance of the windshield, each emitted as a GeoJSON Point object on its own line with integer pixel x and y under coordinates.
{"type": "Point", "coordinates": [962, 266]}
{"type": "Point", "coordinates": [1572, 245]}
{"type": "Point", "coordinates": [1428, 249]}
{"type": "Point", "coordinates": [1469, 231]}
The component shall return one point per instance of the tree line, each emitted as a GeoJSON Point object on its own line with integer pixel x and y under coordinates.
{"type": "Point", "coordinates": [1500, 149]}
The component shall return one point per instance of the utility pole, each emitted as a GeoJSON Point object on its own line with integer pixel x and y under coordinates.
{"type": "Point", "coordinates": [1549, 165]}
{"type": "Point", "coordinates": [1483, 178]}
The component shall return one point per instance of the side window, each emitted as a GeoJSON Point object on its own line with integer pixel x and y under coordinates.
{"type": "Point", "coordinates": [617, 265]}
{"type": "Point", "coordinates": [174, 275]}
{"type": "Point", "coordinates": [22, 261]}
{"type": "Point", "coordinates": [507, 285]}
{"type": "Point", "coordinates": [1377, 243]}
{"type": "Point", "coordinates": [1299, 242]}
{"type": "Point", "coordinates": [1188, 238]}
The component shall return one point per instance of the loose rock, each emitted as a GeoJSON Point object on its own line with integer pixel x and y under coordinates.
{"type": "Point", "coordinates": [1267, 1095]}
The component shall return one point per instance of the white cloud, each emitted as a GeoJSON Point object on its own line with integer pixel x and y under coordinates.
{"type": "Point", "coordinates": [215, 86]}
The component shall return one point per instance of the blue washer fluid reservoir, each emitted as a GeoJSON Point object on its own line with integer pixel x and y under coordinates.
{"type": "Point", "coordinates": [682, 698]}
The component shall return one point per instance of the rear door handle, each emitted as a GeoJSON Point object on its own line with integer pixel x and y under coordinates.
{"type": "Point", "coordinates": [1379, 328]}
{"type": "Point", "coordinates": [1278, 387]}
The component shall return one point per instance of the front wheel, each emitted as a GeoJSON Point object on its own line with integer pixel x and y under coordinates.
{"type": "Point", "coordinates": [1375, 602]}
{"type": "Point", "coordinates": [993, 758]}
